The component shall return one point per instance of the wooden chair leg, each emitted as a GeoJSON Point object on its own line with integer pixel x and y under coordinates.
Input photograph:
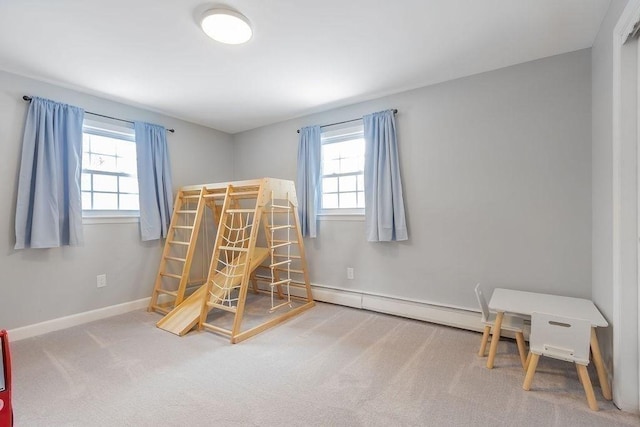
{"type": "Point", "coordinates": [588, 388]}
{"type": "Point", "coordinates": [521, 349]}
{"type": "Point", "coordinates": [531, 370]}
{"type": "Point", "coordinates": [485, 340]}
{"type": "Point", "coordinates": [526, 363]}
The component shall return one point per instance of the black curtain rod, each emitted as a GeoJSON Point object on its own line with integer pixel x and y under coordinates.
{"type": "Point", "coordinates": [28, 98]}
{"type": "Point", "coordinates": [395, 111]}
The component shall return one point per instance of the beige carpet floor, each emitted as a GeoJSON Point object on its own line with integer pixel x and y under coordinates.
{"type": "Point", "coordinates": [331, 366]}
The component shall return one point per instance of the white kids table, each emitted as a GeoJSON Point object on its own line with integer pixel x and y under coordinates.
{"type": "Point", "coordinates": [520, 302]}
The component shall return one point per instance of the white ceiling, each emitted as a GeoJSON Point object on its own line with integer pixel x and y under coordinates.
{"type": "Point", "coordinates": [305, 56]}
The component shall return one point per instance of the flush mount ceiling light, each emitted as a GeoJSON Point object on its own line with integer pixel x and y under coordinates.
{"type": "Point", "coordinates": [226, 26]}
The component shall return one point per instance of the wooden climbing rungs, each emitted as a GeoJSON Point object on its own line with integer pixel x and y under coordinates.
{"type": "Point", "coordinates": [234, 249]}
{"type": "Point", "coordinates": [235, 256]}
{"type": "Point", "coordinates": [179, 250]}
{"type": "Point", "coordinates": [240, 210]}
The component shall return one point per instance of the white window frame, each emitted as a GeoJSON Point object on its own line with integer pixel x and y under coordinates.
{"type": "Point", "coordinates": [111, 129]}
{"type": "Point", "coordinates": [334, 134]}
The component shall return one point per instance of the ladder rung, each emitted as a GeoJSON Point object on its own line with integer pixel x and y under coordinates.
{"type": "Point", "coordinates": [186, 211]}
{"type": "Point", "coordinates": [175, 276]}
{"type": "Point", "coordinates": [280, 263]}
{"type": "Point", "coordinates": [240, 210]}
{"type": "Point", "coordinates": [287, 256]}
{"type": "Point", "coordinates": [281, 227]}
{"type": "Point", "coordinates": [283, 241]}
{"type": "Point", "coordinates": [164, 291]}
{"type": "Point", "coordinates": [176, 242]}
{"type": "Point", "coordinates": [231, 248]}
{"type": "Point", "coordinates": [298, 285]}
{"type": "Point", "coordinates": [291, 270]}
{"type": "Point", "coordinates": [195, 196]}
{"type": "Point", "coordinates": [272, 309]}
{"type": "Point", "coordinates": [244, 193]}
{"type": "Point", "coordinates": [221, 307]}
{"type": "Point", "coordinates": [175, 258]}
{"type": "Point", "coordinates": [186, 227]}
{"type": "Point", "coordinates": [281, 207]}
{"type": "Point", "coordinates": [281, 282]}
{"type": "Point", "coordinates": [216, 329]}
{"type": "Point", "coordinates": [280, 245]}
{"type": "Point", "coordinates": [214, 196]}
{"type": "Point", "coordinates": [160, 309]}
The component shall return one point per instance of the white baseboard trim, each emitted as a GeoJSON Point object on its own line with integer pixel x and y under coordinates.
{"type": "Point", "coordinates": [76, 319]}
{"type": "Point", "coordinates": [429, 312]}
{"type": "Point", "coordinates": [456, 317]}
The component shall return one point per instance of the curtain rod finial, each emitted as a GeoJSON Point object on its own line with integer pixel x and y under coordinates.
{"type": "Point", "coordinates": [26, 98]}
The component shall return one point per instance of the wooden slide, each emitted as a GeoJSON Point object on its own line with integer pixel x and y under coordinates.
{"type": "Point", "coordinates": [185, 316]}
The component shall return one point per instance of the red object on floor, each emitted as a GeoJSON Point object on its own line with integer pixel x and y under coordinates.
{"type": "Point", "coordinates": [6, 412]}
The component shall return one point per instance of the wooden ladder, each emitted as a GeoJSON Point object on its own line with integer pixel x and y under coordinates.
{"type": "Point", "coordinates": [179, 249]}
{"type": "Point", "coordinates": [231, 263]}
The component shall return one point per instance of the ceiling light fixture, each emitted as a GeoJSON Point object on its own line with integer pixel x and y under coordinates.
{"type": "Point", "coordinates": [226, 26]}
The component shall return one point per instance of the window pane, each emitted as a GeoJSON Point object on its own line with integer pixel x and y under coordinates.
{"type": "Point", "coordinates": [330, 201]}
{"type": "Point", "coordinates": [349, 164]}
{"type": "Point", "coordinates": [129, 202]}
{"type": "Point", "coordinates": [105, 183]}
{"type": "Point", "coordinates": [103, 163]}
{"type": "Point", "coordinates": [347, 183]}
{"type": "Point", "coordinates": [126, 148]}
{"type": "Point", "coordinates": [343, 164]}
{"type": "Point", "coordinates": [329, 185]}
{"type": "Point", "coordinates": [102, 145]}
{"type": "Point", "coordinates": [331, 151]}
{"type": "Point", "coordinates": [348, 200]}
{"type": "Point", "coordinates": [353, 148]}
{"type": "Point", "coordinates": [85, 182]}
{"type": "Point", "coordinates": [105, 201]}
{"type": "Point", "coordinates": [109, 175]}
{"type": "Point", "coordinates": [128, 185]}
{"type": "Point", "coordinates": [128, 165]}
{"type": "Point", "coordinates": [330, 167]}
{"type": "Point", "coordinates": [86, 200]}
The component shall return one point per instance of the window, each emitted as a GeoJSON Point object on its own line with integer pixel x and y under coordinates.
{"type": "Point", "coordinates": [342, 170]}
{"type": "Point", "coordinates": [109, 171]}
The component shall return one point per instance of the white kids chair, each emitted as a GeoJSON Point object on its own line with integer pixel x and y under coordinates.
{"type": "Point", "coordinates": [509, 323]}
{"type": "Point", "coordinates": [562, 338]}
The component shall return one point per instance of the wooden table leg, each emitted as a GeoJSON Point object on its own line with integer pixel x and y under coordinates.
{"type": "Point", "coordinates": [599, 364]}
{"type": "Point", "coordinates": [495, 338]}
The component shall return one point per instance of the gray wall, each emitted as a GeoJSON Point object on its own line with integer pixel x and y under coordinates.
{"type": "Point", "coordinates": [43, 284]}
{"type": "Point", "coordinates": [497, 181]}
{"type": "Point", "coordinates": [622, 311]}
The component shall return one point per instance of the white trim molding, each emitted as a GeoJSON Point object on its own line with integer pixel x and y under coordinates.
{"type": "Point", "coordinates": [621, 397]}
{"type": "Point", "coordinates": [76, 319]}
{"type": "Point", "coordinates": [457, 317]}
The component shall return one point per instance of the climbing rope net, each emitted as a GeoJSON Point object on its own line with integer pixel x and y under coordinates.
{"type": "Point", "coordinates": [231, 259]}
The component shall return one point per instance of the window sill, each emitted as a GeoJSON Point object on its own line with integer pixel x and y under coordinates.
{"type": "Point", "coordinates": [92, 220]}
{"type": "Point", "coordinates": [340, 217]}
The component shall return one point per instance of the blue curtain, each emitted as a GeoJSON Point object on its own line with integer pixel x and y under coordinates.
{"type": "Point", "coordinates": [309, 157]}
{"type": "Point", "coordinates": [384, 206]}
{"type": "Point", "coordinates": [154, 181]}
{"type": "Point", "coordinates": [49, 204]}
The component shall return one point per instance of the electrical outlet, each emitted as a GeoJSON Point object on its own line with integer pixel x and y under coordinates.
{"type": "Point", "coordinates": [101, 280]}
{"type": "Point", "coordinates": [350, 273]}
